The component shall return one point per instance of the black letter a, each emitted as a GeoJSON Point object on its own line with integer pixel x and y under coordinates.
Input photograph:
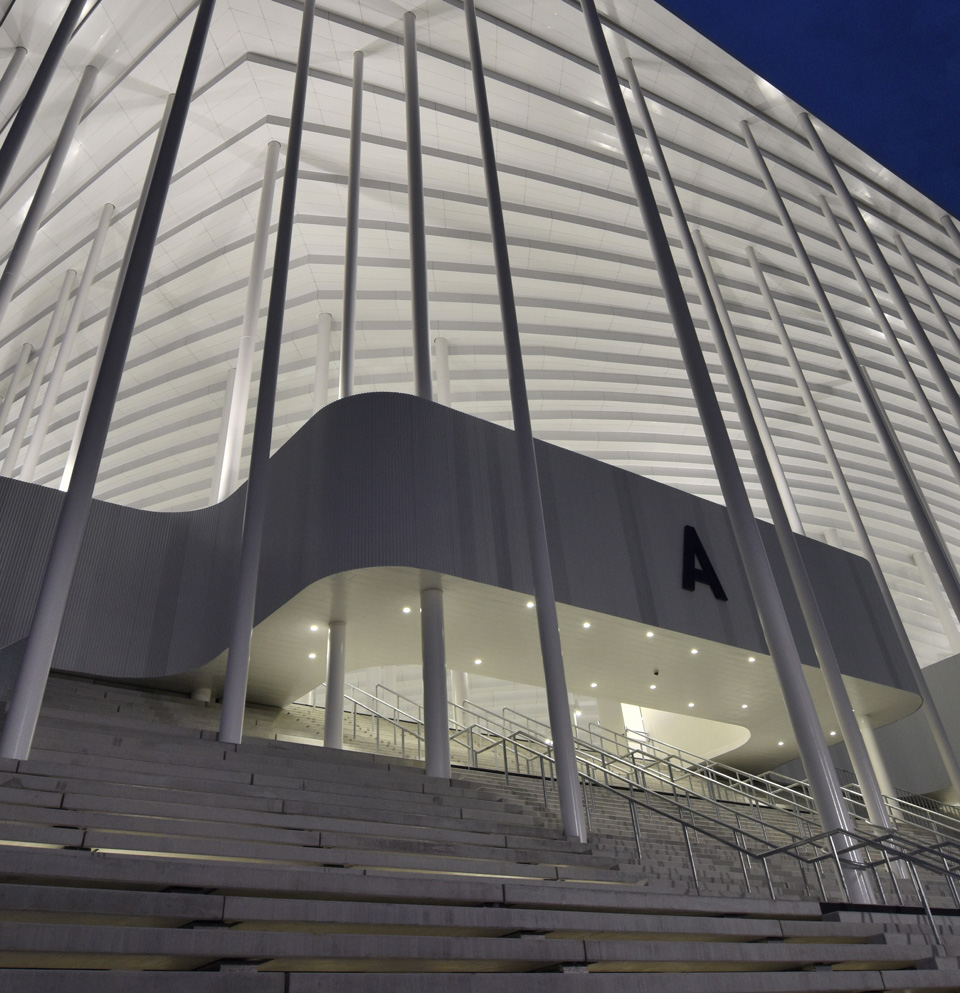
{"type": "Point", "coordinates": [696, 564]}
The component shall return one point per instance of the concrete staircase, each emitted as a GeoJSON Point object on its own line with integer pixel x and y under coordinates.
{"type": "Point", "coordinates": [138, 852]}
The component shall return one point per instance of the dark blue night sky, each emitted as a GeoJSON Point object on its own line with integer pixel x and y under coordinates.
{"type": "Point", "coordinates": [884, 73]}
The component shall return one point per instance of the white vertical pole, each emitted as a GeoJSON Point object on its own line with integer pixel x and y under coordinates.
{"type": "Point", "coordinates": [950, 226]}
{"type": "Point", "coordinates": [36, 380]}
{"type": "Point", "coordinates": [941, 608]}
{"type": "Point", "coordinates": [336, 670]}
{"type": "Point", "coordinates": [932, 302]}
{"type": "Point", "coordinates": [228, 389]}
{"type": "Point", "coordinates": [910, 490]}
{"type": "Point", "coordinates": [321, 373]}
{"type": "Point", "coordinates": [824, 785]}
{"type": "Point", "coordinates": [441, 348]}
{"type": "Point", "coordinates": [436, 720]}
{"type": "Point", "coordinates": [812, 616]}
{"type": "Point", "coordinates": [14, 384]}
{"type": "Point", "coordinates": [551, 647]}
{"type": "Point", "coordinates": [237, 418]}
{"type": "Point", "coordinates": [10, 73]}
{"type": "Point", "coordinates": [352, 235]}
{"type": "Point", "coordinates": [459, 687]}
{"type": "Point", "coordinates": [41, 197]}
{"type": "Point", "coordinates": [948, 390]}
{"type": "Point", "coordinates": [866, 547]}
{"type": "Point", "coordinates": [111, 313]}
{"type": "Point", "coordinates": [926, 408]}
{"type": "Point", "coordinates": [753, 401]}
{"type": "Point", "coordinates": [39, 435]}
{"type": "Point", "coordinates": [876, 756]}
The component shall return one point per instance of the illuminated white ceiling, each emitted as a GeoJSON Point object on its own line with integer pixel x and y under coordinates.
{"type": "Point", "coordinates": [603, 370]}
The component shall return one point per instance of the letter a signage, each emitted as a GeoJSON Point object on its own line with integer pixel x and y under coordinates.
{"type": "Point", "coordinates": [697, 567]}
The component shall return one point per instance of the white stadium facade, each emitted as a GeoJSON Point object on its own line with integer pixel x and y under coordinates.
{"type": "Point", "coordinates": [532, 341]}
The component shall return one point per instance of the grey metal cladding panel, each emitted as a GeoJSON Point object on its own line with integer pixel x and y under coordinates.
{"type": "Point", "coordinates": [385, 479]}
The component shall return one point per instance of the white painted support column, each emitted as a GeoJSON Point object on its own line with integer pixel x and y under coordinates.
{"type": "Point", "coordinates": [459, 687]}
{"type": "Point", "coordinates": [750, 393]}
{"type": "Point", "coordinates": [36, 379]}
{"type": "Point", "coordinates": [237, 418]}
{"type": "Point", "coordinates": [906, 481]}
{"type": "Point", "coordinates": [441, 351]}
{"type": "Point", "coordinates": [16, 378]}
{"type": "Point", "coordinates": [950, 226]}
{"type": "Point", "coordinates": [799, 578]}
{"type": "Point", "coordinates": [222, 436]}
{"type": "Point", "coordinates": [321, 373]}
{"type": "Point", "coordinates": [436, 720]}
{"type": "Point", "coordinates": [352, 233]}
{"type": "Point", "coordinates": [927, 291]}
{"type": "Point", "coordinates": [336, 675]}
{"type": "Point", "coordinates": [41, 197]}
{"type": "Point", "coordinates": [52, 393]}
{"type": "Point", "coordinates": [824, 785]}
{"type": "Point", "coordinates": [938, 601]}
{"type": "Point", "coordinates": [876, 756]}
{"type": "Point", "coordinates": [10, 73]}
{"type": "Point", "coordinates": [926, 408]}
{"type": "Point", "coordinates": [930, 710]}
{"type": "Point", "coordinates": [948, 390]}
{"type": "Point", "coordinates": [115, 300]}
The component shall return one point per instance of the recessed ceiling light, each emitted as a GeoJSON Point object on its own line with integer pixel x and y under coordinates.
{"type": "Point", "coordinates": [689, 704]}
{"type": "Point", "coordinates": [743, 706]}
{"type": "Point", "coordinates": [530, 604]}
{"type": "Point", "coordinates": [312, 655]}
{"type": "Point", "coordinates": [406, 610]}
{"type": "Point", "coordinates": [694, 651]}
{"type": "Point", "coordinates": [751, 659]}
{"type": "Point", "coordinates": [478, 661]}
{"type": "Point", "coordinates": [586, 624]}
{"type": "Point", "coordinates": [832, 734]}
{"type": "Point", "coordinates": [653, 686]}
{"type": "Point", "coordinates": [593, 686]}
{"type": "Point", "coordinates": [779, 742]}
{"type": "Point", "coordinates": [314, 627]}
{"type": "Point", "coordinates": [649, 634]}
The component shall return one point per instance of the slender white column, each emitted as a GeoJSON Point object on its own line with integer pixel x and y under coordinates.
{"type": "Point", "coordinates": [824, 785]}
{"type": "Point", "coordinates": [876, 756]}
{"type": "Point", "coordinates": [932, 302]}
{"type": "Point", "coordinates": [52, 393]}
{"type": "Point", "coordinates": [459, 687]}
{"type": "Point", "coordinates": [926, 526]}
{"type": "Point", "coordinates": [41, 197]}
{"type": "Point", "coordinates": [222, 436]}
{"type": "Point", "coordinates": [36, 380]}
{"type": "Point", "coordinates": [352, 234]}
{"type": "Point", "coordinates": [321, 373]}
{"type": "Point", "coordinates": [950, 226]}
{"type": "Point", "coordinates": [441, 349]}
{"type": "Point", "coordinates": [551, 648]}
{"type": "Point", "coordinates": [926, 408]}
{"type": "Point", "coordinates": [423, 381]}
{"type": "Point", "coordinates": [336, 670]}
{"type": "Point", "coordinates": [10, 73]}
{"type": "Point", "coordinates": [114, 302]}
{"type": "Point", "coordinates": [941, 608]}
{"type": "Point", "coordinates": [436, 720]}
{"type": "Point", "coordinates": [237, 421]}
{"type": "Point", "coordinates": [725, 327]}
{"type": "Point", "coordinates": [13, 385]}
{"type": "Point", "coordinates": [948, 390]}
{"type": "Point", "coordinates": [806, 595]}
{"type": "Point", "coordinates": [930, 710]}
